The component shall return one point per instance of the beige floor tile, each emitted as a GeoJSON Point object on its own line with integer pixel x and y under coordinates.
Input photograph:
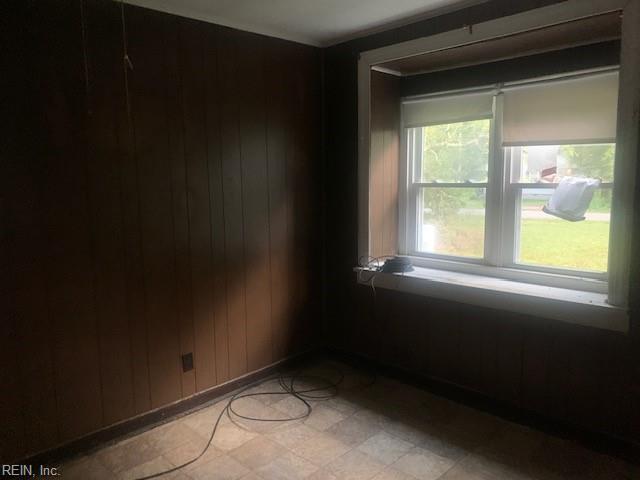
{"type": "Point", "coordinates": [314, 389]}
{"type": "Point", "coordinates": [377, 415]}
{"type": "Point", "coordinates": [221, 468]}
{"type": "Point", "coordinates": [287, 467]}
{"type": "Point", "coordinates": [170, 436]}
{"type": "Point", "coordinates": [321, 449]}
{"type": "Point", "coordinates": [443, 441]}
{"type": "Point", "coordinates": [291, 407]}
{"type": "Point", "coordinates": [230, 436]}
{"type": "Point", "coordinates": [422, 464]}
{"type": "Point", "coordinates": [251, 476]}
{"type": "Point", "coordinates": [406, 397]}
{"type": "Point", "coordinates": [272, 393]}
{"type": "Point", "coordinates": [176, 476]}
{"type": "Point", "coordinates": [156, 465]}
{"type": "Point", "coordinates": [189, 451]}
{"type": "Point", "coordinates": [354, 465]}
{"type": "Point", "coordinates": [385, 448]}
{"type": "Point", "coordinates": [251, 407]}
{"type": "Point", "coordinates": [293, 436]}
{"type": "Point", "coordinates": [391, 473]}
{"type": "Point", "coordinates": [412, 430]}
{"type": "Point", "coordinates": [475, 467]}
{"type": "Point", "coordinates": [322, 474]}
{"type": "Point", "coordinates": [257, 452]}
{"type": "Point", "coordinates": [203, 420]}
{"type": "Point", "coordinates": [323, 417]}
{"type": "Point", "coordinates": [353, 431]}
{"type": "Point", "coordinates": [84, 468]}
{"type": "Point", "coordinates": [127, 454]}
{"type": "Point", "coordinates": [343, 405]}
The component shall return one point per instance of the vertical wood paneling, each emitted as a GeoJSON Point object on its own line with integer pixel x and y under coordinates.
{"type": "Point", "coordinates": [536, 357]}
{"type": "Point", "coordinates": [252, 117]}
{"type": "Point", "coordinates": [287, 332]}
{"type": "Point", "coordinates": [376, 168]}
{"type": "Point", "coordinates": [70, 239]}
{"type": "Point", "coordinates": [145, 221]}
{"type": "Point", "coordinates": [191, 40]}
{"type": "Point", "coordinates": [278, 141]}
{"type": "Point", "coordinates": [294, 168]}
{"type": "Point", "coordinates": [149, 102]}
{"type": "Point", "coordinates": [472, 352]}
{"type": "Point", "coordinates": [216, 199]}
{"type": "Point", "coordinates": [104, 183]}
{"type": "Point", "coordinates": [232, 200]}
{"type": "Point", "coordinates": [391, 141]}
{"type": "Point", "coordinates": [304, 181]}
{"type": "Point", "coordinates": [509, 335]}
{"type": "Point", "coordinates": [180, 198]}
{"type": "Point", "coordinates": [443, 341]}
{"type": "Point", "coordinates": [385, 157]}
{"type": "Point", "coordinates": [132, 225]}
{"type": "Point", "coordinates": [27, 410]}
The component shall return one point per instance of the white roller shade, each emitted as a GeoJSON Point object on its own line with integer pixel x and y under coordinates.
{"type": "Point", "coordinates": [571, 111]}
{"type": "Point", "coordinates": [435, 111]}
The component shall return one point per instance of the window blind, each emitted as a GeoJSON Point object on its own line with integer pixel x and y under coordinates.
{"type": "Point", "coordinates": [570, 111]}
{"type": "Point", "coordinates": [435, 111]}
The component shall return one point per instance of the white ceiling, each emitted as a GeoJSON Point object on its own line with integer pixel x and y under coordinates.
{"type": "Point", "coordinates": [314, 22]}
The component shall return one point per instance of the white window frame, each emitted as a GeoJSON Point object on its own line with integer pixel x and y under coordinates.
{"type": "Point", "coordinates": [627, 148]}
{"type": "Point", "coordinates": [501, 232]}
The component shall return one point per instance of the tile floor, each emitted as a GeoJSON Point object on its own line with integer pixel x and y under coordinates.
{"type": "Point", "coordinates": [380, 431]}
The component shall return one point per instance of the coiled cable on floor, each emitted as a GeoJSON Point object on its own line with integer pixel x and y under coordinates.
{"type": "Point", "coordinates": [326, 390]}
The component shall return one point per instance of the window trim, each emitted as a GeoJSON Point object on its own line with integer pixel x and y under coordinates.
{"type": "Point", "coordinates": [629, 98]}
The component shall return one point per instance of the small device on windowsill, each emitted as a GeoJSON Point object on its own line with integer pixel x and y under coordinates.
{"type": "Point", "coordinates": [397, 265]}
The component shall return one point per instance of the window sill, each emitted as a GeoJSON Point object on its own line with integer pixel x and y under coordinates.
{"type": "Point", "coordinates": [571, 306]}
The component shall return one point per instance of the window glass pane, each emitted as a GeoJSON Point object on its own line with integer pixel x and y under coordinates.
{"type": "Point", "coordinates": [455, 152]}
{"type": "Point", "coordinates": [550, 241]}
{"type": "Point", "coordinates": [451, 221]}
{"type": "Point", "coordinates": [549, 163]}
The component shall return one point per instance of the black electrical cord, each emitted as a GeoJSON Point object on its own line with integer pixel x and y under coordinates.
{"type": "Point", "coordinates": [328, 389]}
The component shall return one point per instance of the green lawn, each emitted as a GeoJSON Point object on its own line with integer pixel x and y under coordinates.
{"type": "Point", "coordinates": [581, 245]}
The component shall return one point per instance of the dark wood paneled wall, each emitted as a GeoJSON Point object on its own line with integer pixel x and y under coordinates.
{"type": "Point", "coordinates": [579, 375]}
{"type": "Point", "coordinates": [385, 155]}
{"type": "Point", "coordinates": [175, 216]}
{"type": "Point", "coordinates": [585, 376]}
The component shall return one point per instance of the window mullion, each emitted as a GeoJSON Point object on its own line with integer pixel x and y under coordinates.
{"type": "Point", "coordinates": [511, 207]}
{"type": "Point", "coordinates": [495, 189]}
{"type": "Point", "coordinates": [414, 172]}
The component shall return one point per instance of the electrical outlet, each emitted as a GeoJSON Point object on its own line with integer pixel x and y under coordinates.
{"type": "Point", "coordinates": [187, 362]}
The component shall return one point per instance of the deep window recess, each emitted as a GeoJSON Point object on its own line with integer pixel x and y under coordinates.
{"type": "Point", "coordinates": [482, 164]}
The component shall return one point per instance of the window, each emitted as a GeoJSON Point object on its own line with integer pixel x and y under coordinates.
{"type": "Point", "coordinates": [482, 165]}
{"type": "Point", "coordinates": [547, 241]}
{"type": "Point", "coordinates": [451, 191]}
